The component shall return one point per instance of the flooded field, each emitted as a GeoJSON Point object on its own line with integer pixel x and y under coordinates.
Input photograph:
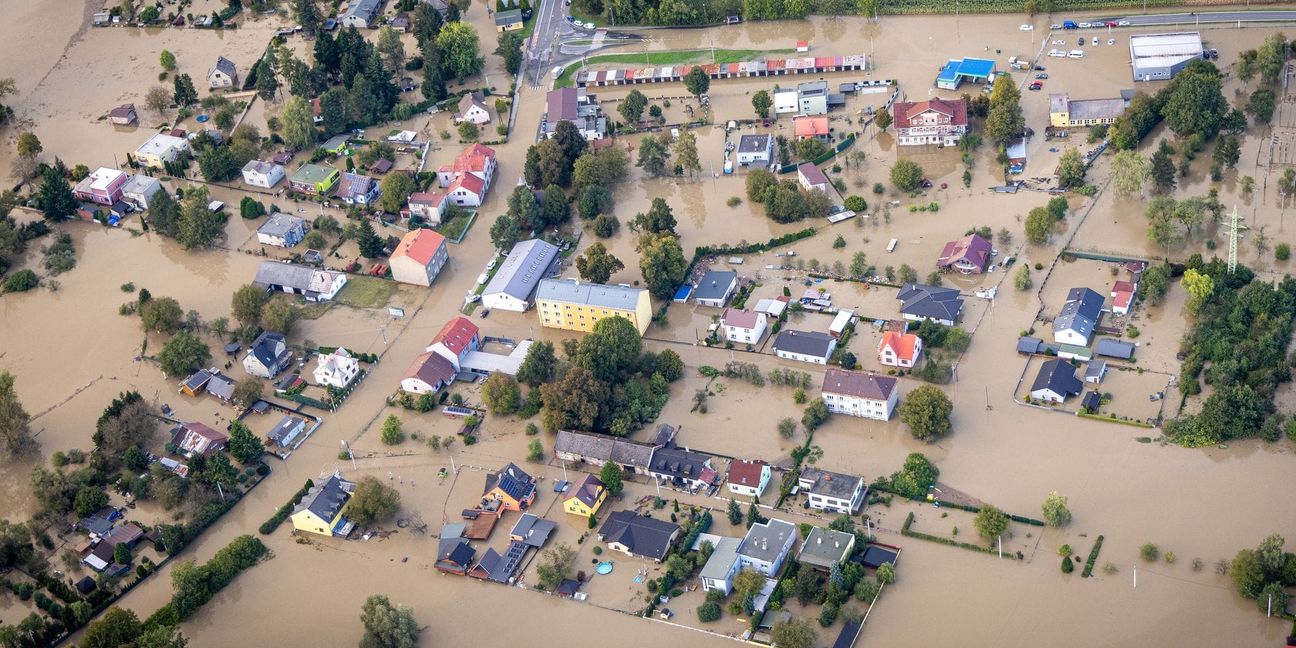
{"type": "Point", "coordinates": [1197, 503]}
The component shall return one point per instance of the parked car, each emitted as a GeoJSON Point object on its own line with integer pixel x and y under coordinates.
{"type": "Point", "coordinates": [1055, 26]}
{"type": "Point", "coordinates": [1040, 68]}
{"type": "Point", "coordinates": [1080, 42]}
{"type": "Point", "coordinates": [1095, 41]}
{"type": "Point", "coordinates": [1026, 27]}
{"type": "Point", "coordinates": [1085, 25]}
{"type": "Point", "coordinates": [1069, 24]}
{"type": "Point", "coordinates": [1111, 41]}
{"type": "Point", "coordinates": [1110, 23]}
{"type": "Point", "coordinates": [1036, 85]}
{"type": "Point", "coordinates": [1041, 76]}
{"type": "Point", "coordinates": [1059, 42]}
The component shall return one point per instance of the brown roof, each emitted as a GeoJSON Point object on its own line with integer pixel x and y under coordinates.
{"type": "Point", "coordinates": [740, 317]}
{"type": "Point", "coordinates": [904, 111]}
{"type": "Point", "coordinates": [431, 368]}
{"type": "Point", "coordinates": [861, 384]}
{"type": "Point", "coordinates": [124, 110]}
{"type": "Point", "coordinates": [746, 473]}
{"type": "Point", "coordinates": [588, 491]}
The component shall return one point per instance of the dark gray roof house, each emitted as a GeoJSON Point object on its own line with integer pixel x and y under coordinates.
{"type": "Point", "coordinates": [1080, 314]}
{"type": "Point", "coordinates": [920, 302]}
{"type": "Point", "coordinates": [683, 468]}
{"type": "Point", "coordinates": [639, 535]}
{"type": "Point", "coordinates": [1028, 344]}
{"type": "Point", "coordinates": [715, 287]}
{"type": "Point", "coordinates": [532, 531]}
{"type": "Point", "coordinates": [598, 449]}
{"type": "Point", "coordinates": [1114, 348]}
{"type": "Point", "coordinates": [325, 500]}
{"type": "Point", "coordinates": [221, 386]}
{"type": "Point", "coordinates": [1056, 381]}
{"type": "Point", "coordinates": [828, 483]}
{"type": "Point", "coordinates": [267, 356]}
{"type": "Point", "coordinates": [805, 343]}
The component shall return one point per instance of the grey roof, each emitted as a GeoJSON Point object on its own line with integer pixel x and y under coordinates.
{"type": "Point", "coordinates": [282, 428]}
{"type": "Point", "coordinates": [221, 386]}
{"type": "Point", "coordinates": [830, 484]}
{"type": "Point", "coordinates": [930, 301]}
{"type": "Point", "coordinates": [643, 536]}
{"type": "Point", "coordinates": [366, 9]}
{"type": "Point", "coordinates": [580, 292]}
{"type": "Point", "coordinates": [811, 343]}
{"type": "Point", "coordinates": [1059, 376]}
{"type": "Point", "coordinates": [860, 384]}
{"type": "Point", "coordinates": [527, 263]}
{"type": "Point", "coordinates": [334, 142]}
{"type": "Point", "coordinates": [327, 499]}
{"type": "Point", "coordinates": [765, 541]}
{"type": "Point", "coordinates": [508, 17]}
{"type": "Point", "coordinates": [266, 349]}
{"type": "Point", "coordinates": [722, 559]}
{"type": "Point", "coordinates": [260, 166]}
{"type": "Point", "coordinates": [604, 448]}
{"type": "Point", "coordinates": [714, 284]}
{"type": "Point", "coordinates": [226, 66]}
{"type": "Point", "coordinates": [279, 224]}
{"type": "Point", "coordinates": [682, 464]}
{"type": "Point", "coordinates": [824, 547]}
{"type": "Point", "coordinates": [1080, 313]}
{"type": "Point", "coordinates": [141, 184]}
{"type": "Point", "coordinates": [755, 143]}
{"type": "Point", "coordinates": [813, 88]}
{"type": "Point", "coordinates": [533, 530]}
{"type": "Point", "coordinates": [1028, 344]}
{"type": "Point", "coordinates": [1095, 368]}
{"type": "Point", "coordinates": [1114, 348]}
{"type": "Point", "coordinates": [290, 275]}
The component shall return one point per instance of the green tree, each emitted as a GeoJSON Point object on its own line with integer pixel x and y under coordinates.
{"type": "Point", "coordinates": [610, 475]}
{"type": "Point", "coordinates": [267, 84]}
{"type": "Point", "coordinates": [539, 366]}
{"type": "Point", "coordinates": [396, 189]}
{"type": "Point", "coordinates": [1163, 171]}
{"type": "Point", "coordinates": [686, 153]}
{"type": "Point", "coordinates": [794, 633]}
{"type": "Point", "coordinates": [505, 232]}
{"type": "Point", "coordinates": [523, 206]}
{"type": "Point", "coordinates": [1261, 105]}
{"type": "Point", "coordinates": [697, 82]}
{"type": "Point", "coordinates": [1227, 151]}
{"type": "Point", "coordinates": [1055, 509]}
{"type": "Point", "coordinates": [391, 431]}
{"type": "Point", "coordinates": [553, 164]}
{"type": "Point", "coordinates": [1071, 169]}
{"type": "Point", "coordinates": [1039, 225]}
{"type": "Point", "coordinates": [883, 119]}
{"type": "Point", "coordinates": [371, 245]}
{"type": "Point", "coordinates": [535, 451]}
{"type": "Point", "coordinates": [815, 414]}
{"type": "Point", "coordinates": [115, 628]}
{"type": "Point", "coordinates": [927, 413]}
{"type": "Point", "coordinates": [1194, 102]}
{"type": "Point", "coordinates": [373, 502]}
{"type": "Point", "coordinates": [501, 393]}
{"type": "Point", "coordinates": [653, 155]}
{"type": "Point", "coordinates": [247, 303]}
{"type": "Point", "coordinates": [391, 50]}
{"type": "Point", "coordinates": [298, 124]}
{"type": "Point", "coordinates": [734, 512]}
{"type": "Point", "coordinates": [1022, 278]}
{"type": "Point", "coordinates": [245, 446]}
{"type": "Point", "coordinates": [1005, 121]}
{"type": "Point", "coordinates": [387, 625]}
{"type": "Point", "coordinates": [199, 226]}
{"type": "Point", "coordinates": [906, 175]}
{"type": "Point", "coordinates": [29, 146]}
{"type": "Point", "coordinates": [1271, 57]}
{"type": "Point", "coordinates": [1200, 286]}
{"type": "Point", "coordinates": [184, 93]}
{"type": "Point", "coordinates": [597, 264]}
{"type": "Point", "coordinates": [510, 49]}
{"type": "Point", "coordinates": [660, 218]}
{"type": "Point", "coordinates": [307, 16]}
{"type": "Point", "coordinates": [1130, 171]}
{"type": "Point", "coordinates": [632, 107]}
{"type": "Point", "coordinates": [122, 554]}
{"type": "Point", "coordinates": [459, 45]}
{"type": "Point", "coordinates": [555, 565]}
{"type": "Point", "coordinates": [991, 522]}
{"type": "Point", "coordinates": [15, 435]}
{"type": "Point", "coordinates": [554, 209]}
{"type": "Point", "coordinates": [184, 354]}
{"type": "Point", "coordinates": [161, 315]}
{"type": "Point", "coordinates": [663, 264]}
{"type": "Point", "coordinates": [56, 199]}
{"type": "Point", "coordinates": [167, 60]}
{"type": "Point", "coordinates": [611, 350]}
{"type": "Point", "coordinates": [605, 167]}
{"type": "Point", "coordinates": [761, 103]}
{"type": "Point", "coordinates": [594, 200]}
{"type": "Point", "coordinates": [88, 500]}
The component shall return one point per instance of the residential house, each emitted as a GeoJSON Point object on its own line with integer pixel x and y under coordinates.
{"type": "Point", "coordinates": [356, 189]}
{"type": "Point", "coordinates": [748, 477]}
{"type": "Point", "coordinates": [282, 230]}
{"type": "Point", "coordinates": [767, 546]}
{"type": "Point", "coordinates": [419, 257]}
{"type": "Point", "coordinates": [509, 20]}
{"type": "Point", "coordinates": [267, 356]}
{"type": "Point", "coordinates": [812, 178]}
{"type": "Point", "coordinates": [195, 383]}
{"type": "Point", "coordinates": [1055, 382]}
{"type": "Point", "coordinates": [968, 255]}
{"type": "Point", "coordinates": [715, 287]}
{"type": "Point", "coordinates": [456, 339]}
{"type": "Point", "coordinates": [1095, 371]}
{"type": "Point", "coordinates": [829, 491]}
{"type": "Point", "coordinates": [577, 106]}
{"type": "Point", "coordinates": [1080, 314]}
{"type": "Point", "coordinates": [428, 373]}
{"type": "Point", "coordinates": [586, 499]}
{"type": "Point", "coordinates": [576, 306]}
{"type": "Point", "coordinates": [597, 449]}
{"type": "Point", "coordinates": [812, 98]}
{"type": "Point", "coordinates": [313, 180]}
{"type": "Point", "coordinates": [743, 326]}
{"type": "Point", "coordinates": [516, 279]}
{"type": "Point", "coordinates": [805, 346]}
{"type": "Point", "coordinates": [920, 303]}
{"type": "Point", "coordinates": [532, 530]}
{"type": "Point", "coordinates": [455, 556]}
{"type": "Point", "coordinates": [1030, 345]}
{"type": "Point", "coordinates": [860, 393]}
{"type": "Point", "coordinates": [139, 190]}
{"type": "Point", "coordinates": [223, 74]}
{"type": "Point", "coordinates": [400, 23]}
{"type": "Point", "coordinates": [259, 173]}
{"type": "Point", "coordinates": [719, 571]}
{"type": "Point", "coordinates": [322, 510]}
{"type": "Point", "coordinates": [126, 534]}
{"type": "Point", "coordinates": [381, 166]}
{"type": "Point", "coordinates": [786, 101]}
{"type": "Point", "coordinates": [285, 432]}
{"type": "Point", "coordinates": [936, 121]}
{"type": "Point", "coordinates": [336, 369]}
{"type": "Point", "coordinates": [1091, 402]}
{"type": "Point", "coordinates": [221, 386]}
{"type": "Point", "coordinates": [824, 548]}
{"type": "Point", "coordinates": [816, 127]}
{"type": "Point", "coordinates": [103, 186]}
{"type": "Point", "coordinates": [161, 149]}
{"type": "Point", "coordinates": [755, 150]}
{"type": "Point", "coordinates": [1065, 112]}
{"type": "Point", "coordinates": [472, 109]}
{"type": "Point", "coordinates": [899, 349]}
{"type": "Point", "coordinates": [336, 145]}
{"type": "Point", "coordinates": [1122, 295]}
{"type": "Point", "coordinates": [314, 284]}
{"type": "Point", "coordinates": [468, 178]}
{"type": "Point", "coordinates": [428, 205]}
{"type": "Point", "coordinates": [682, 469]}
{"type": "Point", "coordinates": [100, 557]}
{"type": "Point", "coordinates": [1114, 349]}
{"type": "Point", "coordinates": [636, 535]}
{"type": "Point", "coordinates": [512, 487]}
{"type": "Point", "coordinates": [197, 439]}
{"type": "Point", "coordinates": [772, 308]}
{"type": "Point", "coordinates": [362, 14]}
{"type": "Point", "coordinates": [123, 115]}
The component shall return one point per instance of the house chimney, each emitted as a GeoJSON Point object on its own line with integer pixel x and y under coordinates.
{"type": "Point", "coordinates": [819, 540]}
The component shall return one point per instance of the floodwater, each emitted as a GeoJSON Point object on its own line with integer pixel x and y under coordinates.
{"type": "Point", "coordinates": [1193, 502]}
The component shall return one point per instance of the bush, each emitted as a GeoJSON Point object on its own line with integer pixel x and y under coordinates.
{"type": "Point", "coordinates": [284, 511]}
{"type": "Point", "coordinates": [1282, 252]}
{"type": "Point", "coordinates": [1093, 557]}
{"type": "Point", "coordinates": [1067, 565]}
{"type": "Point", "coordinates": [21, 281]}
{"type": "Point", "coordinates": [1149, 552]}
{"type": "Point", "coordinates": [708, 612]}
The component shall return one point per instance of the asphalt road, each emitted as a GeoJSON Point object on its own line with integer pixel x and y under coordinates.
{"type": "Point", "coordinates": [1147, 20]}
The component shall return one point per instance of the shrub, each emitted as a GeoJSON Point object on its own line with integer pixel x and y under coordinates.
{"type": "Point", "coordinates": [1282, 251]}
{"type": "Point", "coordinates": [1149, 552]}
{"type": "Point", "coordinates": [708, 612]}
{"type": "Point", "coordinates": [21, 281]}
{"type": "Point", "coordinates": [1067, 565]}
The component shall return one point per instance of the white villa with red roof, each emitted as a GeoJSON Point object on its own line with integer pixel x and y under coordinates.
{"type": "Point", "coordinates": [1122, 295]}
{"type": "Point", "coordinates": [428, 205]}
{"type": "Point", "coordinates": [743, 325]}
{"type": "Point", "coordinates": [456, 340]}
{"type": "Point", "coordinates": [419, 257]}
{"type": "Point", "coordinates": [748, 477]}
{"type": "Point", "coordinates": [467, 180]}
{"type": "Point", "coordinates": [899, 349]}
{"type": "Point", "coordinates": [935, 121]}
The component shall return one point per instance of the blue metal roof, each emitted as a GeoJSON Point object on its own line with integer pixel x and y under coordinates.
{"type": "Point", "coordinates": [976, 68]}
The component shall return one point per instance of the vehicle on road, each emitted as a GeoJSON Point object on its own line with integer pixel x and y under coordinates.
{"type": "Point", "coordinates": [1214, 53]}
{"type": "Point", "coordinates": [1040, 68]}
{"type": "Point", "coordinates": [1076, 54]}
{"type": "Point", "coordinates": [1059, 42]}
{"type": "Point", "coordinates": [1055, 26]}
{"type": "Point", "coordinates": [1110, 23]}
{"type": "Point", "coordinates": [588, 25]}
{"type": "Point", "coordinates": [1111, 41]}
{"type": "Point", "coordinates": [1123, 23]}
{"type": "Point", "coordinates": [1095, 41]}
{"type": "Point", "coordinates": [1026, 27]}
{"type": "Point", "coordinates": [1055, 53]}
{"type": "Point", "coordinates": [472, 298]}
{"type": "Point", "coordinates": [1080, 42]}
{"type": "Point", "coordinates": [1085, 25]}
{"type": "Point", "coordinates": [1041, 76]}
{"type": "Point", "coordinates": [1036, 85]}
{"type": "Point", "coordinates": [1069, 24]}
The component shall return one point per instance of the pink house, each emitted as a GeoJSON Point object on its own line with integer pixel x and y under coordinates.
{"type": "Point", "coordinates": [468, 179]}
{"type": "Point", "coordinates": [104, 186]}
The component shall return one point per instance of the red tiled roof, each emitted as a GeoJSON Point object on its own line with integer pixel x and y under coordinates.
{"type": "Point", "coordinates": [470, 182]}
{"type": "Point", "coordinates": [1123, 293]}
{"type": "Point", "coordinates": [902, 344]}
{"type": "Point", "coordinates": [457, 334]}
{"type": "Point", "coordinates": [746, 473]}
{"type": "Point", "coordinates": [903, 111]}
{"type": "Point", "coordinates": [420, 244]}
{"type": "Point", "coordinates": [427, 198]}
{"type": "Point", "coordinates": [740, 318]}
{"type": "Point", "coordinates": [810, 126]}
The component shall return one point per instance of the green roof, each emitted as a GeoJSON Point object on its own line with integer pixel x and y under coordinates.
{"type": "Point", "coordinates": [313, 173]}
{"type": "Point", "coordinates": [1076, 350]}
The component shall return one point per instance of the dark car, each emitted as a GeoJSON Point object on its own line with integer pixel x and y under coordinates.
{"type": "Point", "coordinates": [1041, 76]}
{"type": "Point", "coordinates": [1040, 68]}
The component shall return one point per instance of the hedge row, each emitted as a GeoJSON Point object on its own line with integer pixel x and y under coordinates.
{"type": "Point", "coordinates": [196, 584]}
{"type": "Point", "coordinates": [880, 485]}
{"type": "Point", "coordinates": [1093, 557]}
{"type": "Point", "coordinates": [904, 531]}
{"type": "Point", "coordinates": [284, 511]}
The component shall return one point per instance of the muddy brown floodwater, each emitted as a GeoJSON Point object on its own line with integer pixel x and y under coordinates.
{"type": "Point", "coordinates": [72, 353]}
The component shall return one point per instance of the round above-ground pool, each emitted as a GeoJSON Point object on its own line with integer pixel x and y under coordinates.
{"type": "Point", "coordinates": [604, 568]}
{"type": "Point", "coordinates": [201, 118]}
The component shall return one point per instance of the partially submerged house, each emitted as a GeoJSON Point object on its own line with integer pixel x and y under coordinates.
{"type": "Point", "coordinates": [805, 346]}
{"type": "Point", "coordinates": [715, 287]}
{"type": "Point", "coordinates": [586, 499]}
{"type": "Point", "coordinates": [419, 257]}
{"type": "Point", "coordinates": [639, 536]}
{"type": "Point", "coordinates": [829, 491]}
{"type": "Point", "coordinates": [314, 284]}
{"type": "Point", "coordinates": [197, 439]}
{"type": "Point", "coordinates": [767, 545]}
{"type": "Point", "coordinates": [336, 369]}
{"type": "Point", "coordinates": [267, 356]}
{"type": "Point", "coordinates": [860, 393]}
{"type": "Point", "coordinates": [1055, 382]}
{"type": "Point", "coordinates": [515, 281]}
{"type": "Point", "coordinates": [682, 469]}
{"type": "Point", "coordinates": [322, 510]}
{"type": "Point", "coordinates": [512, 487]}
{"type": "Point", "coordinates": [968, 255]}
{"type": "Point", "coordinates": [824, 548]}
{"type": "Point", "coordinates": [898, 349]}
{"type": "Point", "coordinates": [282, 230]}
{"type": "Point", "coordinates": [748, 478]}
{"type": "Point", "coordinates": [743, 326]}
{"type": "Point", "coordinates": [1080, 315]}
{"type": "Point", "coordinates": [597, 449]}
{"type": "Point", "coordinates": [920, 302]}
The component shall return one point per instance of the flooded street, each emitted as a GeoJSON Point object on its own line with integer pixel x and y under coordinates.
{"type": "Point", "coordinates": [72, 353]}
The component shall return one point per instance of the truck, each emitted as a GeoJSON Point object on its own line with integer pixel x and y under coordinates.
{"type": "Point", "coordinates": [1017, 63]}
{"type": "Point", "coordinates": [1070, 24]}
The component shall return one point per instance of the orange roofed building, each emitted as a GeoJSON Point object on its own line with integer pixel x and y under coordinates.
{"type": "Point", "coordinates": [419, 257]}
{"type": "Point", "coordinates": [807, 127]}
{"type": "Point", "coordinates": [899, 349]}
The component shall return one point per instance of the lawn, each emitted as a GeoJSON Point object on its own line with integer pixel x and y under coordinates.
{"type": "Point", "coordinates": [366, 292]}
{"type": "Point", "coordinates": [679, 57]}
{"type": "Point", "coordinates": [529, 26]}
{"type": "Point", "coordinates": [456, 227]}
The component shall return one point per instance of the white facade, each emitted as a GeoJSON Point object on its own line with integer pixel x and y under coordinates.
{"type": "Point", "coordinates": [752, 491]}
{"type": "Point", "coordinates": [139, 190]}
{"type": "Point", "coordinates": [834, 503]}
{"type": "Point", "coordinates": [742, 333]}
{"type": "Point", "coordinates": [336, 369]}
{"type": "Point", "coordinates": [892, 355]}
{"type": "Point", "coordinates": [786, 101]}
{"type": "Point", "coordinates": [475, 114]}
{"type": "Point", "coordinates": [850, 405]}
{"type": "Point", "coordinates": [262, 174]}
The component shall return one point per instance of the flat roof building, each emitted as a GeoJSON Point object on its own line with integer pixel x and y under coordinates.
{"type": "Point", "coordinates": [577, 305]}
{"type": "Point", "coordinates": [1156, 57]}
{"type": "Point", "coordinates": [516, 280]}
{"type": "Point", "coordinates": [956, 71]}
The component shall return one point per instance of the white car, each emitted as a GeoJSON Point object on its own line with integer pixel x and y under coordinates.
{"type": "Point", "coordinates": [1095, 41]}
{"type": "Point", "coordinates": [1085, 25]}
{"type": "Point", "coordinates": [1059, 42]}
{"type": "Point", "coordinates": [1124, 23]}
{"type": "Point", "coordinates": [588, 25]}
{"type": "Point", "coordinates": [491, 265]}
{"type": "Point", "coordinates": [1026, 27]}
{"type": "Point", "coordinates": [1055, 26]}
{"type": "Point", "coordinates": [1111, 41]}
{"type": "Point", "coordinates": [471, 298]}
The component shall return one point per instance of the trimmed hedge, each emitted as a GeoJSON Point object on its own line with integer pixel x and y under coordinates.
{"type": "Point", "coordinates": [1093, 557]}
{"type": "Point", "coordinates": [880, 485]}
{"type": "Point", "coordinates": [284, 511]}
{"type": "Point", "coordinates": [905, 531]}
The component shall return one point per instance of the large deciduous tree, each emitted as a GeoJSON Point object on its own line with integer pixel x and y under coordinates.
{"type": "Point", "coordinates": [927, 413]}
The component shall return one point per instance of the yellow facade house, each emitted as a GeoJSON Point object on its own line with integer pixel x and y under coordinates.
{"type": "Point", "coordinates": [1065, 112]}
{"type": "Point", "coordinates": [576, 305]}
{"type": "Point", "coordinates": [323, 509]}
{"type": "Point", "coordinates": [587, 498]}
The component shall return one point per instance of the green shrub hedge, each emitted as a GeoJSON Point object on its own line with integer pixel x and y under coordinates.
{"type": "Point", "coordinates": [284, 511]}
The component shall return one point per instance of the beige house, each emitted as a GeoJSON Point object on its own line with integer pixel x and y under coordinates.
{"type": "Point", "coordinates": [419, 257]}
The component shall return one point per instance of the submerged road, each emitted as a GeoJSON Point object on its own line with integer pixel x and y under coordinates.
{"type": "Point", "coordinates": [1213, 17]}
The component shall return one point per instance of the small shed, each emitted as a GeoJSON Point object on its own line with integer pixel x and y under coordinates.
{"type": "Point", "coordinates": [840, 322]}
{"type": "Point", "coordinates": [1028, 345]}
{"type": "Point", "coordinates": [1091, 401]}
{"type": "Point", "coordinates": [1114, 349]}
